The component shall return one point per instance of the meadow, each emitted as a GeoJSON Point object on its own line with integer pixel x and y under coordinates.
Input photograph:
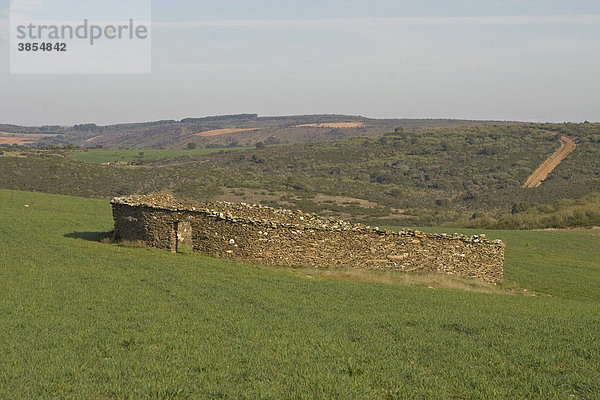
{"type": "Point", "coordinates": [84, 318]}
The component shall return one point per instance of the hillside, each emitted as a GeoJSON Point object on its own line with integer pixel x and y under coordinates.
{"type": "Point", "coordinates": [218, 131]}
{"type": "Point", "coordinates": [468, 176]}
{"type": "Point", "coordinates": [85, 319]}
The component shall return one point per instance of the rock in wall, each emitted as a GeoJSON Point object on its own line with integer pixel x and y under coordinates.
{"type": "Point", "coordinates": [282, 237]}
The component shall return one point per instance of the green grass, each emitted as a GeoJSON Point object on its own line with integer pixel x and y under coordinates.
{"type": "Point", "coordinates": [83, 319]}
{"type": "Point", "coordinates": [562, 263]}
{"type": "Point", "coordinates": [98, 156]}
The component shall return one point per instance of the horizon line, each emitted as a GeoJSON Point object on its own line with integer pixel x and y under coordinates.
{"type": "Point", "coordinates": [499, 120]}
{"type": "Point", "coordinates": [389, 21]}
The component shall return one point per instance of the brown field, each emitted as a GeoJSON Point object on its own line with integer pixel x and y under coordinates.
{"type": "Point", "coordinates": [217, 132]}
{"type": "Point", "coordinates": [333, 125]}
{"type": "Point", "coordinates": [15, 140]}
{"type": "Point", "coordinates": [10, 138]}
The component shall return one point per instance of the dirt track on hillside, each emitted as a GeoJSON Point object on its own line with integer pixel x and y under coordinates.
{"type": "Point", "coordinates": [93, 138]}
{"type": "Point", "coordinates": [567, 146]}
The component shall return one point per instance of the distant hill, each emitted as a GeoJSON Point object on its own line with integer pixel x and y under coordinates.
{"type": "Point", "coordinates": [469, 176]}
{"type": "Point", "coordinates": [225, 131]}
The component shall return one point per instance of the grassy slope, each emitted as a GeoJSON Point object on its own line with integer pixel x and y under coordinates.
{"type": "Point", "coordinates": [81, 319]}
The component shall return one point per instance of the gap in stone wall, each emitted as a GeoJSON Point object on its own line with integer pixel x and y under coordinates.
{"type": "Point", "coordinates": [183, 237]}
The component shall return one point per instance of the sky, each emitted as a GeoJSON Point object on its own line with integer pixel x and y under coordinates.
{"type": "Point", "coordinates": [529, 60]}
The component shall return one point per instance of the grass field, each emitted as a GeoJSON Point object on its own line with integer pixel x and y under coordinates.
{"type": "Point", "coordinates": [84, 319]}
{"type": "Point", "coordinates": [129, 155]}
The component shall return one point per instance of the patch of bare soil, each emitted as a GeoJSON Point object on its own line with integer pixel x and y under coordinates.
{"type": "Point", "coordinates": [333, 125]}
{"type": "Point", "coordinates": [93, 138]}
{"type": "Point", "coordinates": [566, 147]}
{"type": "Point", "coordinates": [254, 196]}
{"type": "Point", "coordinates": [251, 196]}
{"type": "Point", "coordinates": [343, 200]}
{"type": "Point", "coordinates": [217, 132]}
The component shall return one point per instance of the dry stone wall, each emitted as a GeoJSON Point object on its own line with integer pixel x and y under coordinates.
{"type": "Point", "coordinates": [272, 236]}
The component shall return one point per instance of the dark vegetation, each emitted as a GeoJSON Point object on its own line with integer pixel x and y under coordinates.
{"type": "Point", "coordinates": [465, 176]}
{"type": "Point", "coordinates": [562, 214]}
{"type": "Point", "coordinates": [7, 128]}
{"type": "Point", "coordinates": [141, 157]}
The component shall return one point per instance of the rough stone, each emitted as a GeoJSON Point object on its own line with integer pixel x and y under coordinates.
{"type": "Point", "coordinates": [271, 236]}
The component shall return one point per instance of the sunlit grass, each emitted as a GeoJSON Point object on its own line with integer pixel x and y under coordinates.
{"type": "Point", "coordinates": [85, 319]}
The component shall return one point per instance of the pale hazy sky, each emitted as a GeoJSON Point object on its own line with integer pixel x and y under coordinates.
{"type": "Point", "coordinates": [536, 60]}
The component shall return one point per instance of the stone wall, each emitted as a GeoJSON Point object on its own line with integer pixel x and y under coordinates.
{"type": "Point", "coordinates": [271, 236]}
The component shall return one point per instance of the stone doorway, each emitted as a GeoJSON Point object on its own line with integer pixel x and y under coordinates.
{"type": "Point", "coordinates": [183, 237]}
